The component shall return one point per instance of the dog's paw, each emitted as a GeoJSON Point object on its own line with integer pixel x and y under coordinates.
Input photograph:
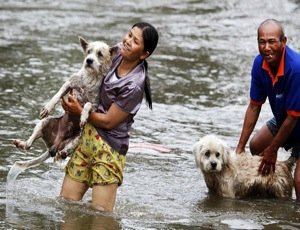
{"type": "Point", "coordinates": [52, 151]}
{"type": "Point", "coordinates": [44, 113]}
{"type": "Point", "coordinates": [82, 123]}
{"type": "Point", "coordinates": [62, 155]}
{"type": "Point", "coordinates": [85, 114]}
{"type": "Point", "coordinates": [20, 144]}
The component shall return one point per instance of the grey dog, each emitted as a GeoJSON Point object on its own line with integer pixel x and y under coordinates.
{"type": "Point", "coordinates": [60, 133]}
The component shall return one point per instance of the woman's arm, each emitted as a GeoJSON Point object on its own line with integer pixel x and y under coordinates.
{"type": "Point", "coordinates": [109, 120]}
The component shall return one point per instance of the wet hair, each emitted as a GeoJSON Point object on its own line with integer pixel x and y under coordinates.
{"type": "Point", "coordinates": [150, 37]}
{"type": "Point", "coordinates": [278, 23]}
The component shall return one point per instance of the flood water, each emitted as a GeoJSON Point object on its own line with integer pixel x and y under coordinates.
{"type": "Point", "coordinates": [200, 77]}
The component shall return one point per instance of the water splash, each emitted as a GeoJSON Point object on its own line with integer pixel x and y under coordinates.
{"type": "Point", "coordinates": [20, 166]}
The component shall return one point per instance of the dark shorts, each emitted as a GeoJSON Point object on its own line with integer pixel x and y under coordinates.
{"type": "Point", "coordinates": [272, 125]}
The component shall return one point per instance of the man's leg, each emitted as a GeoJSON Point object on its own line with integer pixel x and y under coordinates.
{"type": "Point", "coordinates": [261, 140]}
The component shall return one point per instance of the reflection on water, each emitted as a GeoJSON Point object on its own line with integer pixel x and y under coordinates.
{"type": "Point", "coordinates": [200, 79]}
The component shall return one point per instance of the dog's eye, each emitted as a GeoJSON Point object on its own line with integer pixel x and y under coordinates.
{"type": "Point", "coordinates": [207, 153]}
{"type": "Point", "coordinates": [89, 51]}
{"type": "Point", "coordinates": [99, 54]}
{"type": "Point", "coordinates": [217, 154]}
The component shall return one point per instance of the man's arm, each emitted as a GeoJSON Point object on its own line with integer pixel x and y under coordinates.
{"type": "Point", "coordinates": [270, 153]}
{"type": "Point", "coordinates": [251, 116]}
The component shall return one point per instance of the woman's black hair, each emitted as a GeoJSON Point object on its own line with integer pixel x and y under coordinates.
{"type": "Point", "coordinates": [150, 37]}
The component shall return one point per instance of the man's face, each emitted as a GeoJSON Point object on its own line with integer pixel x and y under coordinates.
{"type": "Point", "coordinates": [270, 44]}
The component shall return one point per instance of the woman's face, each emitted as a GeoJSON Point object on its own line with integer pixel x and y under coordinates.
{"type": "Point", "coordinates": [133, 45]}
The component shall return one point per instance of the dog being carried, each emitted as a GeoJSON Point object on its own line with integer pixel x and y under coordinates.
{"type": "Point", "coordinates": [236, 175]}
{"type": "Point", "coordinates": [60, 133]}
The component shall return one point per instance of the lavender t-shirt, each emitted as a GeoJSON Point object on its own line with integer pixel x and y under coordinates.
{"type": "Point", "coordinates": [127, 93]}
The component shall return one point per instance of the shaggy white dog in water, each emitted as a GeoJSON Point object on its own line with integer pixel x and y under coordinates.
{"type": "Point", "coordinates": [236, 175]}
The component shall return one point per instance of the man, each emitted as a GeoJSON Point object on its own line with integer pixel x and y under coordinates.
{"type": "Point", "coordinates": [276, 76]}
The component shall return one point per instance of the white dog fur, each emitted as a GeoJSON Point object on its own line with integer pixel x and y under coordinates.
{"type": "Point", "coordinates": [236, 175]}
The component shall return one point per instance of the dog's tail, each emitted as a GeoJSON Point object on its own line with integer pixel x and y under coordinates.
{"type": "Point", "coordinates": [21, 166]}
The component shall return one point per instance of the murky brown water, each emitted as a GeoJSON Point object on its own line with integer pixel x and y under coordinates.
{"type": "Point", "coordinates": [200, 78]}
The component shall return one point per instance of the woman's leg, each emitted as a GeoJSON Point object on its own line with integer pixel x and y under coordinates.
{"type": "Point", "coordinates": [261, 140]}
{"type": "Point", "coordinates": [104, 197]}
{"type": "Point", "coordinates": [73, 190]}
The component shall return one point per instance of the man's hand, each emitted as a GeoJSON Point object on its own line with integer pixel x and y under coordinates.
{"type": "Point", "coordinates": [239, 150]}
{"type": "Point", "coordinates": [268, 161]}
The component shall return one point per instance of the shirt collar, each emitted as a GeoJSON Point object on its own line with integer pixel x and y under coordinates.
{"type": "Point", "coordinates": [280, 71]}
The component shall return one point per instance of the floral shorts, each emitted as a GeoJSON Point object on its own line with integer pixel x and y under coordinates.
{"type": "Point", "coordinates": [94, 162]}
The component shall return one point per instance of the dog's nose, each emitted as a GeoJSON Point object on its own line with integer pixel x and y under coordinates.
{"type": "Point", "coordinates": [213, 164]}
{"type": "Point", "coordinates": [89, 61]}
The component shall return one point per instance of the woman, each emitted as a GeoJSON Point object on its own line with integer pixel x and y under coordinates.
{"type": "Point", "coordinates": [99, 159]}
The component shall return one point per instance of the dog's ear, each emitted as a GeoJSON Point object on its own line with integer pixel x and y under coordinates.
{"type": "Point", "coordinates": [227, 153]}
{"type": "Point", "coordinates": [84, 44]}
{"type": "Point", "coordinates": [196, 151]}
{"type": "Point", "coordinates": [113, 50]}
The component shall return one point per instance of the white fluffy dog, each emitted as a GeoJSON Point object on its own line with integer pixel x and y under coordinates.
{"type": "Point", "coordinates": [236, 175]}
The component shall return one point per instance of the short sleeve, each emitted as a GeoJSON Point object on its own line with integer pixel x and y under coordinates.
{"type": "Point", "coordinates": [130, 98]}
{"type": "Point", "coordinates": [293, 96]}
{"type": "Point", "coordinates": [258, 92]}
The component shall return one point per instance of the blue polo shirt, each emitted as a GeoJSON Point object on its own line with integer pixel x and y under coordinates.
{"type": "Point", "coordinates": [282, 90]}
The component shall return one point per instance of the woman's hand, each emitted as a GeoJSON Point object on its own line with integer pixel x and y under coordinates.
{"type": "Point", "coordinates": [71, 106]}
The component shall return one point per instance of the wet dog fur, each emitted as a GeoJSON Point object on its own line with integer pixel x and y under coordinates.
{"type": "Point", "coordinates": [233, 175]}
{"type": "Point", "coordinates": [60, 133]}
